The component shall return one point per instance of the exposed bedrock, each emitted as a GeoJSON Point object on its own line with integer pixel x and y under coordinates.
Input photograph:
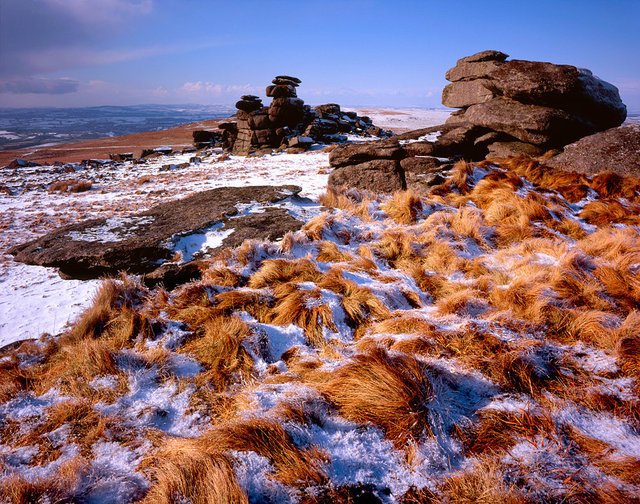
{"type": "Point", "coordinates": [196, 226]}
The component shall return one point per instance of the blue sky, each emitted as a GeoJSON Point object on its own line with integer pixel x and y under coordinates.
{"type": "Point", "coordinates": [353, 52]}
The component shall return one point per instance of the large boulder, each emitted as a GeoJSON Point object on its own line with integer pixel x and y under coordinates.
{"type": "Point", "coordinates": [466, 93]}
{"type": "Point", "coordinates": [141, 243]}
{"type": "Point", "coordinates": [378, 175]}
{"type": "Point", "coordinates": [560, 86]}
{"type": "Point", "coordinates": [616, 150]}
{"type": "Point", "coordinates": [543, 126]}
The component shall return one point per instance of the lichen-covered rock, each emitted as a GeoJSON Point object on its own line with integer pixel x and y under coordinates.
{"type": "Point", "coordinates": [616, 150]}
{"type": "Point", "coordinates": [560, 86]}
{"type": "Point", "coordinates": [377, 175]}
{"type": "Point", "coordinates": [466, 93]}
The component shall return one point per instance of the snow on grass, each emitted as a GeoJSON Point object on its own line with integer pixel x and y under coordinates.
{"type": "Point", "coordinates": [474, 313]}
{"type": "Point", "coordinates": [404, 119]}
{"type": "Point", "coordinates": [119, 191]}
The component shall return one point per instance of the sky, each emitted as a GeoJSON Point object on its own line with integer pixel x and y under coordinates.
{"type": "Point", "coordinates": [68, 53]}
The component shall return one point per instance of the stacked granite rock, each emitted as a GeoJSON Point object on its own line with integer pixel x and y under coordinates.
{"type": "Point", "coordinates": [288, 123]}
{"type": "Point", "coordinates": [527, 106]}
{"type": "Point", "coordinates": [505, 108]}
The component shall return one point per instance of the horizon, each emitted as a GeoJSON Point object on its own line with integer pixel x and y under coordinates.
{"type": "Point", "coordinates": [367, 53]}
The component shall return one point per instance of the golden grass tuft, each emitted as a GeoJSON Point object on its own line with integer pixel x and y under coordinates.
{"type": "Point", "coordinates": [222, 276]}
{"type": "Point", "coordinates": [218, 345]}
{"type": "Point", "coordinates": [293, 465]}
{"type": "Point", "coordinates": [64, 486]}
{"type": "Point", "coordinates": [329, 252]}
{"type": "Point", "coordinates": [74, 365]}
{"type": "Point", "coordinates": [391, 392]}
{"type": "Point", "coordinates": [359, 303]}
{"type": "Point", "coordinates": [278, 271]}
{"type": "Point", "coordinates": [184, 471]}
{"type": "Point", "coordinates": [495, 431]}
{"type": "Point", "coordinates": [484, 484]}
{"type": "Point", "coordinates": [303, 307]}
{"type": "Point", "coordinates": [403, 207]}
{"type": "Point", "coordinates": [109, 300]}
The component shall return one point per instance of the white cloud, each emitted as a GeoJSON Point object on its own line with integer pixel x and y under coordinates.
{"type": "Point", "coordinates": [212, 88]}
{"type": "Point", "coordinates": [100, 11]}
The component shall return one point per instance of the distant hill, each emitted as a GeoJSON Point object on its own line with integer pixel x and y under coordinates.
{"type": "Point", "coordinates": [30, 127]}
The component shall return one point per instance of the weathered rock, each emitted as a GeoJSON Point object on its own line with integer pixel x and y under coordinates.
{"type": "Point", "coordinates": [419, 165]}
{"type": "Point", "coordinates": [258, 120]}
{"type": "Point", "coordinates": [120, 157]}
{"type": "Point", "coordinates": [328, 108]}
{"type": "Point", "coordinates": [286, 111]}
{"type": "Point", "coordinates": [248, 106]}
{"type": "Point", "coordinates": [489, 55]}
{"type": "Point", "coordinates": [171, 275]}
{"type": "Point", "coordinates": [285, 82]}
{"type": "Point", "coordinates": [355, 153]}
{"type": "Point", "coordinates": [21, 163]}
{"type": "Point", "coordinates": [509, 149]}
{"type": "Point", "coordinates": [560, 86]}
{"type": "Point", "coordinates": [204, 136]}
{"type": "Point", "coordinates": [616, 150]}
{"type": "Point", "coordinates": [466, 93]}
{"type": "Point", "coordinates": [456, 117]}
{"type": "Point", "coordinates": [543, 126]}
{"type": "Point", "coordinates": [302, 142]}
{"type": "Point", "coordinates": [287, 78]}
{"type": "Point", "coordinates": [228, 126]}
{"type": "Point", "coordinates": [378, 175]}
{"type": "Point", "coordinates": [469, 71]}
{"type": "Point", "coordinates": [139, 243]}
{"type": "Point", "coordinates": [283, 91]}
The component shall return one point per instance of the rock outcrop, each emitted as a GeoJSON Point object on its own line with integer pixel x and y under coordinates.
{"type": "Point", "coordinates": [540, 105]}
{"type": "Point", "coordinates": [371, 166]}
{"type": "Point", "coordinates": [506, 108]}
{"type": "Point", "coordinates": [143, 242]}
{"type": "Point", "coordinates": [616, 150]}
{"type": "Point", "coordinates": [286, 123]}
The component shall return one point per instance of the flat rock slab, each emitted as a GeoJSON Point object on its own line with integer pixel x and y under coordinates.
{"type": "Point", "coordinates": [142, 242]}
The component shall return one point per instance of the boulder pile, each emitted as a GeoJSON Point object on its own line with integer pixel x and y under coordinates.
{"type": "Point", "coordinates": [286, 123]}
{"type": "Point", "coordinates": [505, 108]}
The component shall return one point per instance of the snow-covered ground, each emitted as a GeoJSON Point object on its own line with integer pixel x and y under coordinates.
{"type": "Point", "coordinates": [401, 120]}
{"type": "Point", "coordinates": [34, 299]}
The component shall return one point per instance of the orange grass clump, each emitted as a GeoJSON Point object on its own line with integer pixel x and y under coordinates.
{"type": "Point", "coordinates": [391, 392]}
